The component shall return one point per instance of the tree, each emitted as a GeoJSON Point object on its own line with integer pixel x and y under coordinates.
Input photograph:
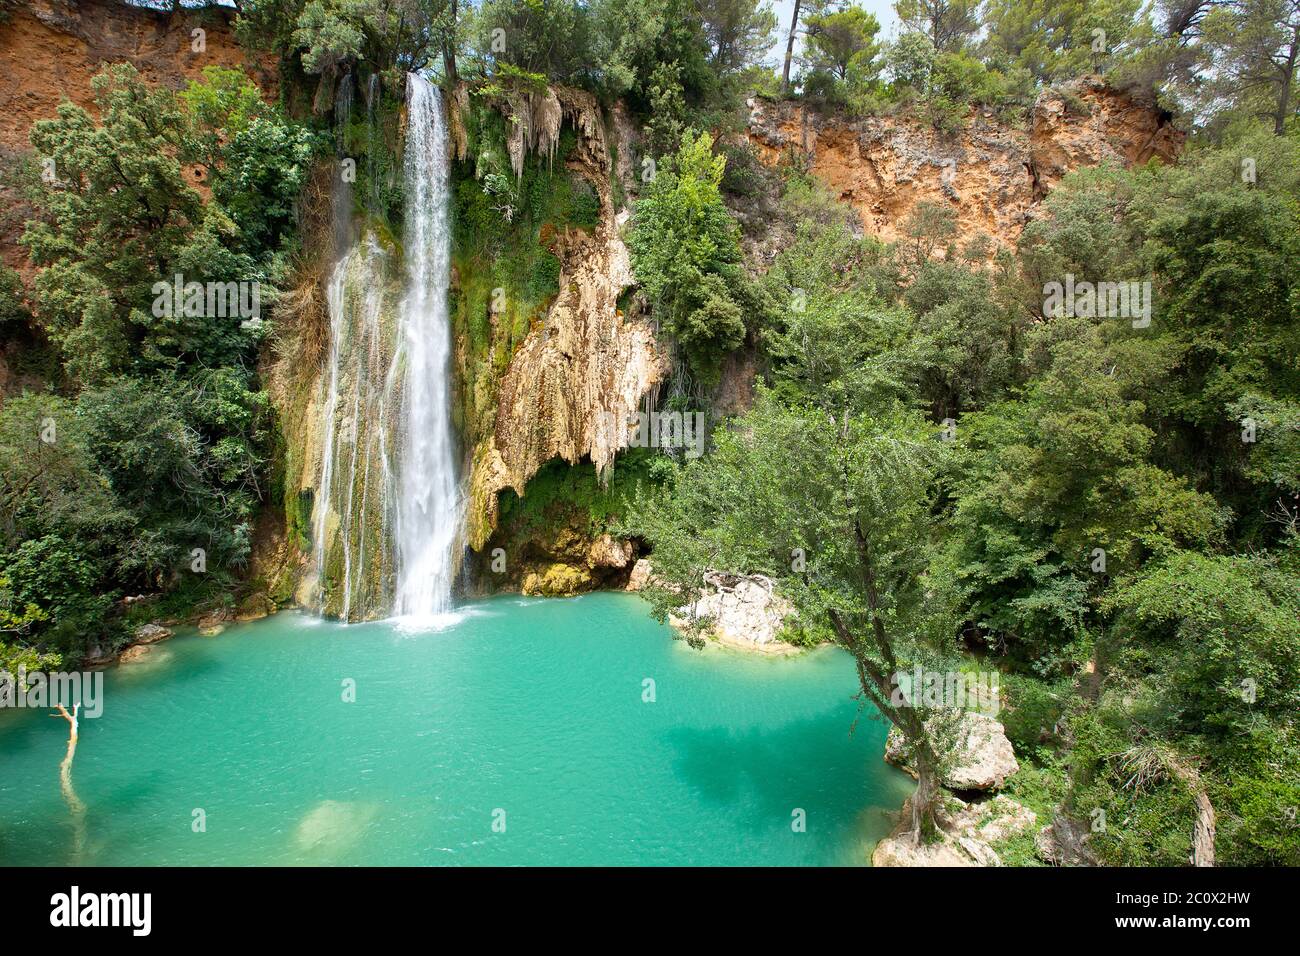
{"type": "Point", "coordinates": [1220, 621]}
{"type": "Point", "coordinates": [1199, 695]}
{"type": "Point", "coordinates": [114, 221]}
{"type": "Point", "coordinates": [950, 24]}
{"type": "Point", "coordinates": [911, 60]}
{"type": "Point", "coordinates": [739, 32]}
{"type": "Point", "coordinates": [1055, 491]}
{"type": "Point", "coordinates": [1056, 39]}
{"type": "Point", "coordinates": [967, 336]}
{"type": "Point", "coordinates": [1257, 52]}
{"type": "Point", "coordinates": [834, 341]}
{"type": "Point", "coordinates": [789, 46]}
{"type": "Point", "coordinates": [841, 41]}
{"type": "Point", "coordinates": [800, 6]}
{"type": "Point", "coordinates": [551, 38]}
{"type": "Point", "coordinates": [928, 229]}
{"type": "Point", "coordinates": [1223, 253]}
{"type": "Point", "coordinates": [623, 30]}
{"type": "Point", "coordinates": [163, 449]}
{"type": "Point", "coordinates": [685, 250]}
{"type": "Point", "coordinates": [257, 161]}
{"type": "Point", "coordinates": [851, 493]}
{"type": "Point", "coordinates": [656, 54]}
{"type": "Point", "coordinates": [385, 34]}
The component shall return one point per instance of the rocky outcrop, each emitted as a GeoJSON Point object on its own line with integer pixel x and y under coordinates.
{"type": "Point", "coordinates": [610, 552]}
{"type": "Point", "coordinates": [991, 173]}
{"type": "Point", "coordinates": [981, 760]}
{"type": "Point", "coordinates": [151, 633]}
{"type": "Point", "coordinates": [587, 366]}
{"type": "Point", "coordinates": [583, 565]}
{"type": "Point", "coordinates": [557, 580]}
{"type": "Point", "coordinates": [738, 610]}
{"type": "Point", "coordinates": [983, 756]}
{"type": "Point", "coordinates": [52, 49]}
{"type": "Point", "coordinates": [214, 622]}
{"type": "Point", "coordinates": [640, 576]}
{"type": "Point", "coordinates": [968, 835]}
{"type": "Point", "coordinates": [1086, 123]}
{"type": "Point", "coordinates": [1064, 842]}
{"type": "Point", "coordinates": [553, 560]}
{"type": "Point", "coordinates": [134, 654]}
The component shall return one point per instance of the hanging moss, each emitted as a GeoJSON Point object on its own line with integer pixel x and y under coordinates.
{"type": "Point", "coordinates": [559, 492]}
{"type": "Point", "coordinates": [503, 236]}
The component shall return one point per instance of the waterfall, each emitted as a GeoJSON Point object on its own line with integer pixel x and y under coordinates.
{"type": "Point", "coordinates": [343, 111]}
{"type": "Point", "coordinates": [428, 511]}
{"type": "Point", "coordinates": [372, 137]}
{"type": "Point", "coordinates": [387, 511]}
{"type": "Point", "coordinates": [354, 561]}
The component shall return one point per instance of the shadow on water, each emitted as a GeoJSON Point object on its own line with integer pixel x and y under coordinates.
{"type": "Point", "coordinates": [760, 774]}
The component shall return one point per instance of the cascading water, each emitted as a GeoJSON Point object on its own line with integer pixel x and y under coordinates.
{"type": "Point", "coordinates": [428, 512]}
{"type": "Point", "coordinates": [354, 559]}
{"type": "Point", "coordinates": [387, 512]}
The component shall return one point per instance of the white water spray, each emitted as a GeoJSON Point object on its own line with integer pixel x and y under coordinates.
{"type": "Point", "coordinates": [428, 511]}
{"type": "Point", "coordinates": [356, 486]}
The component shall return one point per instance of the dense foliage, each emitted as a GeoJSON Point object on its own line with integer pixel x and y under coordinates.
{"type": "Point", "coordinates": [686, 253]}
{"type": "Point", "coordinates": [1115, 524]}
{"type": "Point", "coordinates": [145, 470]}
{"type": "Point", "coordinates": [939, 468]}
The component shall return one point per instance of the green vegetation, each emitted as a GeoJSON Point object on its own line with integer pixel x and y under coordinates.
{"type": "Point", "coordinates": [564, 496]}
{"type": "Point", "coordinates": [148, 465]}
{"type": "Point", "coordinates": [1104, 509]}
{"type": "Point", "coordinates": [686, 253]}
{"type": "Point", "coordinates": [504, 247]}
{"type": "Point", "coordinates": [942, 465]}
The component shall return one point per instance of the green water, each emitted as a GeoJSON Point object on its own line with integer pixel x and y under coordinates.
{"type": "Point", "coordinates": [533, 707]}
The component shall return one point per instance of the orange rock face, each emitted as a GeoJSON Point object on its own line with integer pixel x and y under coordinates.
{"type": "Point", "coordinates": [51, 49]}
{"type": "Point", "coordinates": [991, 173]}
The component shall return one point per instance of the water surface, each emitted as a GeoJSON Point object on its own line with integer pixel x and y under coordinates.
{"type": "Point", "coordinates": [532, 707]}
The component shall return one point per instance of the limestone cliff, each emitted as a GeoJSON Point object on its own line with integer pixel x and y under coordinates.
{"type": "Point", "coordinates": [586, 364]}
{"type": "Point", "coordinates": [991, 173]}
{"type": "Point", "coordinates": [52, 49]}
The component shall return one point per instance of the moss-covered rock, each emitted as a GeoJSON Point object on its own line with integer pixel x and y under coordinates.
{"type": "Point", "coordinates": [557, 580]}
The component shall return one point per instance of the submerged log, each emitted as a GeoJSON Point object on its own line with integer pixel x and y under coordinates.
{"type": "Point", "coordinates": [75, 806]}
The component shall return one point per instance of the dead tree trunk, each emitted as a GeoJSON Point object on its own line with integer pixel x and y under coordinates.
{"type": "Point", "coordinates": [75, 806]}
{"type": "Point", "coordinates": [1204, 828]}
{"type": "Point", "coordinates": [789, 48]}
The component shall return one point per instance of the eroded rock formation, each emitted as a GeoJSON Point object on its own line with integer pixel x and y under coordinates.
{"type": "Point", "coordinates": [739, 611]}
{"type": "Point", "coordinates": [991, 173]}
{"type": "Point", "coordinates": [587, 366]}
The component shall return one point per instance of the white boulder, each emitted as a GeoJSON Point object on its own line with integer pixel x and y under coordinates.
{"type": "Point", "coordinates": [739, 610]}
{"type": "Point", "coordinates": [983, 757]}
